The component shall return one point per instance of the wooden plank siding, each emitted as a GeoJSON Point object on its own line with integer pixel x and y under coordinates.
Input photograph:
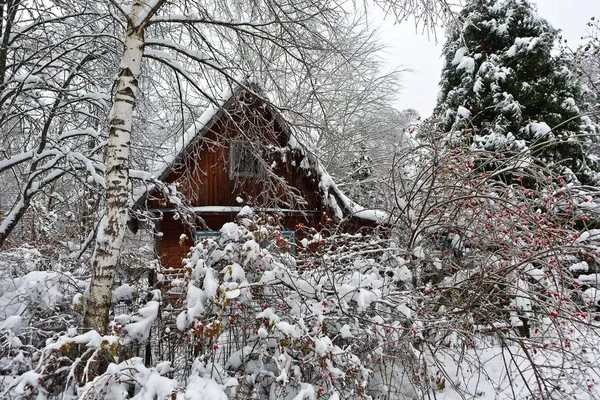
{"type": "Point", "coordinates": [204, 178]}
{"type": "Point", "coordinates": [173, 250]}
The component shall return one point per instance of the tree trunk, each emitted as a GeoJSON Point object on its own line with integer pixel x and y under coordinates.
{"type": "Point", "coordinates": [113, 225]}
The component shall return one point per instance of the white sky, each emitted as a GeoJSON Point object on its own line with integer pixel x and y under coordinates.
{"type": "Point", "coordinates": [408, 49]}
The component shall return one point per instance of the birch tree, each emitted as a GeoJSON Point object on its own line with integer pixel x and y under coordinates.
{"type": "Point", "coordinates": [113, 225]}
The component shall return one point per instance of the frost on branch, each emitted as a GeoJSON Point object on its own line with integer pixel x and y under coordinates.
{"type": "Point", "coordinates": [504, 271]}
{"type": "Point", "coordinates": [314, 324]}
{"type": "Point", "coordinates": [480, 281]}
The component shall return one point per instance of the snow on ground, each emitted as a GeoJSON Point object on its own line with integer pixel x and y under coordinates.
{"type": "Point", "coordinates": [489, 371]}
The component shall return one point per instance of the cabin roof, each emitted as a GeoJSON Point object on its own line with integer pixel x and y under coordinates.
{"type": "Point", "coordinates": [332, 196]}
{"type": "Point", "coordinates": [199, 128]}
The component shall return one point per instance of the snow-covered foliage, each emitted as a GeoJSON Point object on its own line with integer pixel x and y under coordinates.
{"type": "Point", "coordinates": [292, 328]}
{"type": "Point", "coordinates": [360, 162]}
{"type": "Point", "coordinates": [482, 290]}
{"type": "Point", "coordinates": [36, 302]}
{"type": "Point", "coordinates": [506, 263]}
{"type": "Point", "coordinates": [42, 296]}
{"type": "Point", "coordinates": [586, 63]}
{"type": "Point", "coordinates": [52, 67]}
{"type": "Point", "coordinates": [503, 90]}
{"type": "Point", "coordinates": [483, 287]}
{"type": "Point", "coordinates": [256, 322]}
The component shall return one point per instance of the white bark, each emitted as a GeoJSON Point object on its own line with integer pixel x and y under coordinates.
{"type": "Point", "coordinates": [113, 225]}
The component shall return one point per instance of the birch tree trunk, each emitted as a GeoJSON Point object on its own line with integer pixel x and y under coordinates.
{"type": "Point", "coordinates": [111, 230]}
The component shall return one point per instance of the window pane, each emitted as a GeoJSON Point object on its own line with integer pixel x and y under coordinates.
{"type": "Point", "coordinates": [242, 160]}
{"type": "Point", "coordinates": [201, 235]}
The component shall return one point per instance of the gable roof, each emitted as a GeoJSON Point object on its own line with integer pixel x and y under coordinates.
{"type": "Point", "coordinates": [332, 196]}
{"type": "Point", "coordinates": [201, 126]}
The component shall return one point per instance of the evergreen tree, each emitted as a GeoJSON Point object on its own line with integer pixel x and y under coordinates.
{"type": "Point", "coordinates": [504, 91]}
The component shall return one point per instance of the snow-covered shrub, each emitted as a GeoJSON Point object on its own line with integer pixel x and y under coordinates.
{"type": "Point", "coordinates": [88, 365]}
{"type": "Point", "coordinates": [483, 289]}
{"type": "Point", "coordinates": [495, 269]}
{"type": "Point", "coordinates": [586, 62]}
{"type": "Point", "coordinates": [316, 326]}
{"type": "Point", "coordinates": [256, 323]}
{"type": "Point", "coordinates": [42, 296]}
{"type": "Point", "coordinates": [36, 294]}
{"type": "Point", "coordinates": [504, 90]}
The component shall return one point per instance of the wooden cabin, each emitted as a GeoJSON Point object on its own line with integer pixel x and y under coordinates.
{"type": "Point", "coordinates": [241, 152]}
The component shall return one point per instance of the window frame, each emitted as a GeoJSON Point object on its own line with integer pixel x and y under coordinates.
{"type": "Point", "coordinates": [237, 146]}
{"type": "Point", "coordinates": [200, 235]}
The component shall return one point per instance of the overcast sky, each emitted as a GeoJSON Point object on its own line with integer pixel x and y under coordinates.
{"type": "Point", "coordinates": [414, 51]}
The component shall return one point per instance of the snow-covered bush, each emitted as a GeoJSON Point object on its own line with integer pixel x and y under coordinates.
{"type": "Point", "coordinates": [503, 90]}
{"type": "Point", "coordinates": [36, 303]}
{"type": "Point", "coordinates": [586, 62]}
{"type": "Point", "coordinates": [42, 296]}
{"type": "Point", "coordinates": [482, 289]}
{"type": "Point", "coordinates": [257, 322]}
{"type": "Point", "coordinates": [315, 326]}
{"type": "Point", "coordinates": [495, 268]}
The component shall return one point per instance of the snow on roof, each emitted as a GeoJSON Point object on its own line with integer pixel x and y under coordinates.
{"type": "Point", "coordinates": [327, 185]}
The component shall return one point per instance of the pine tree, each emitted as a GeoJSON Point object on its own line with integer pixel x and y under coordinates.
{"type": "Point", "coordinates": [504, 91]}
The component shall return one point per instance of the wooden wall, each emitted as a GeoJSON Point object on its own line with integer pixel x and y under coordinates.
{"type": "Point", "coordinates": [173, 250]}
{"type": "Point", "coordinates": [203, 176]}
{"type": "Point", "coordinates": [203, 173]}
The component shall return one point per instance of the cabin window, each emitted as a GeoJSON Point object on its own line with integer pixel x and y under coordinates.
{"type": "Point", "coordinates": [285, 243]}
{"type": "Point", "coordinates": [242, 159]}
{"type": "Point", "coordinates": [201, 235]}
